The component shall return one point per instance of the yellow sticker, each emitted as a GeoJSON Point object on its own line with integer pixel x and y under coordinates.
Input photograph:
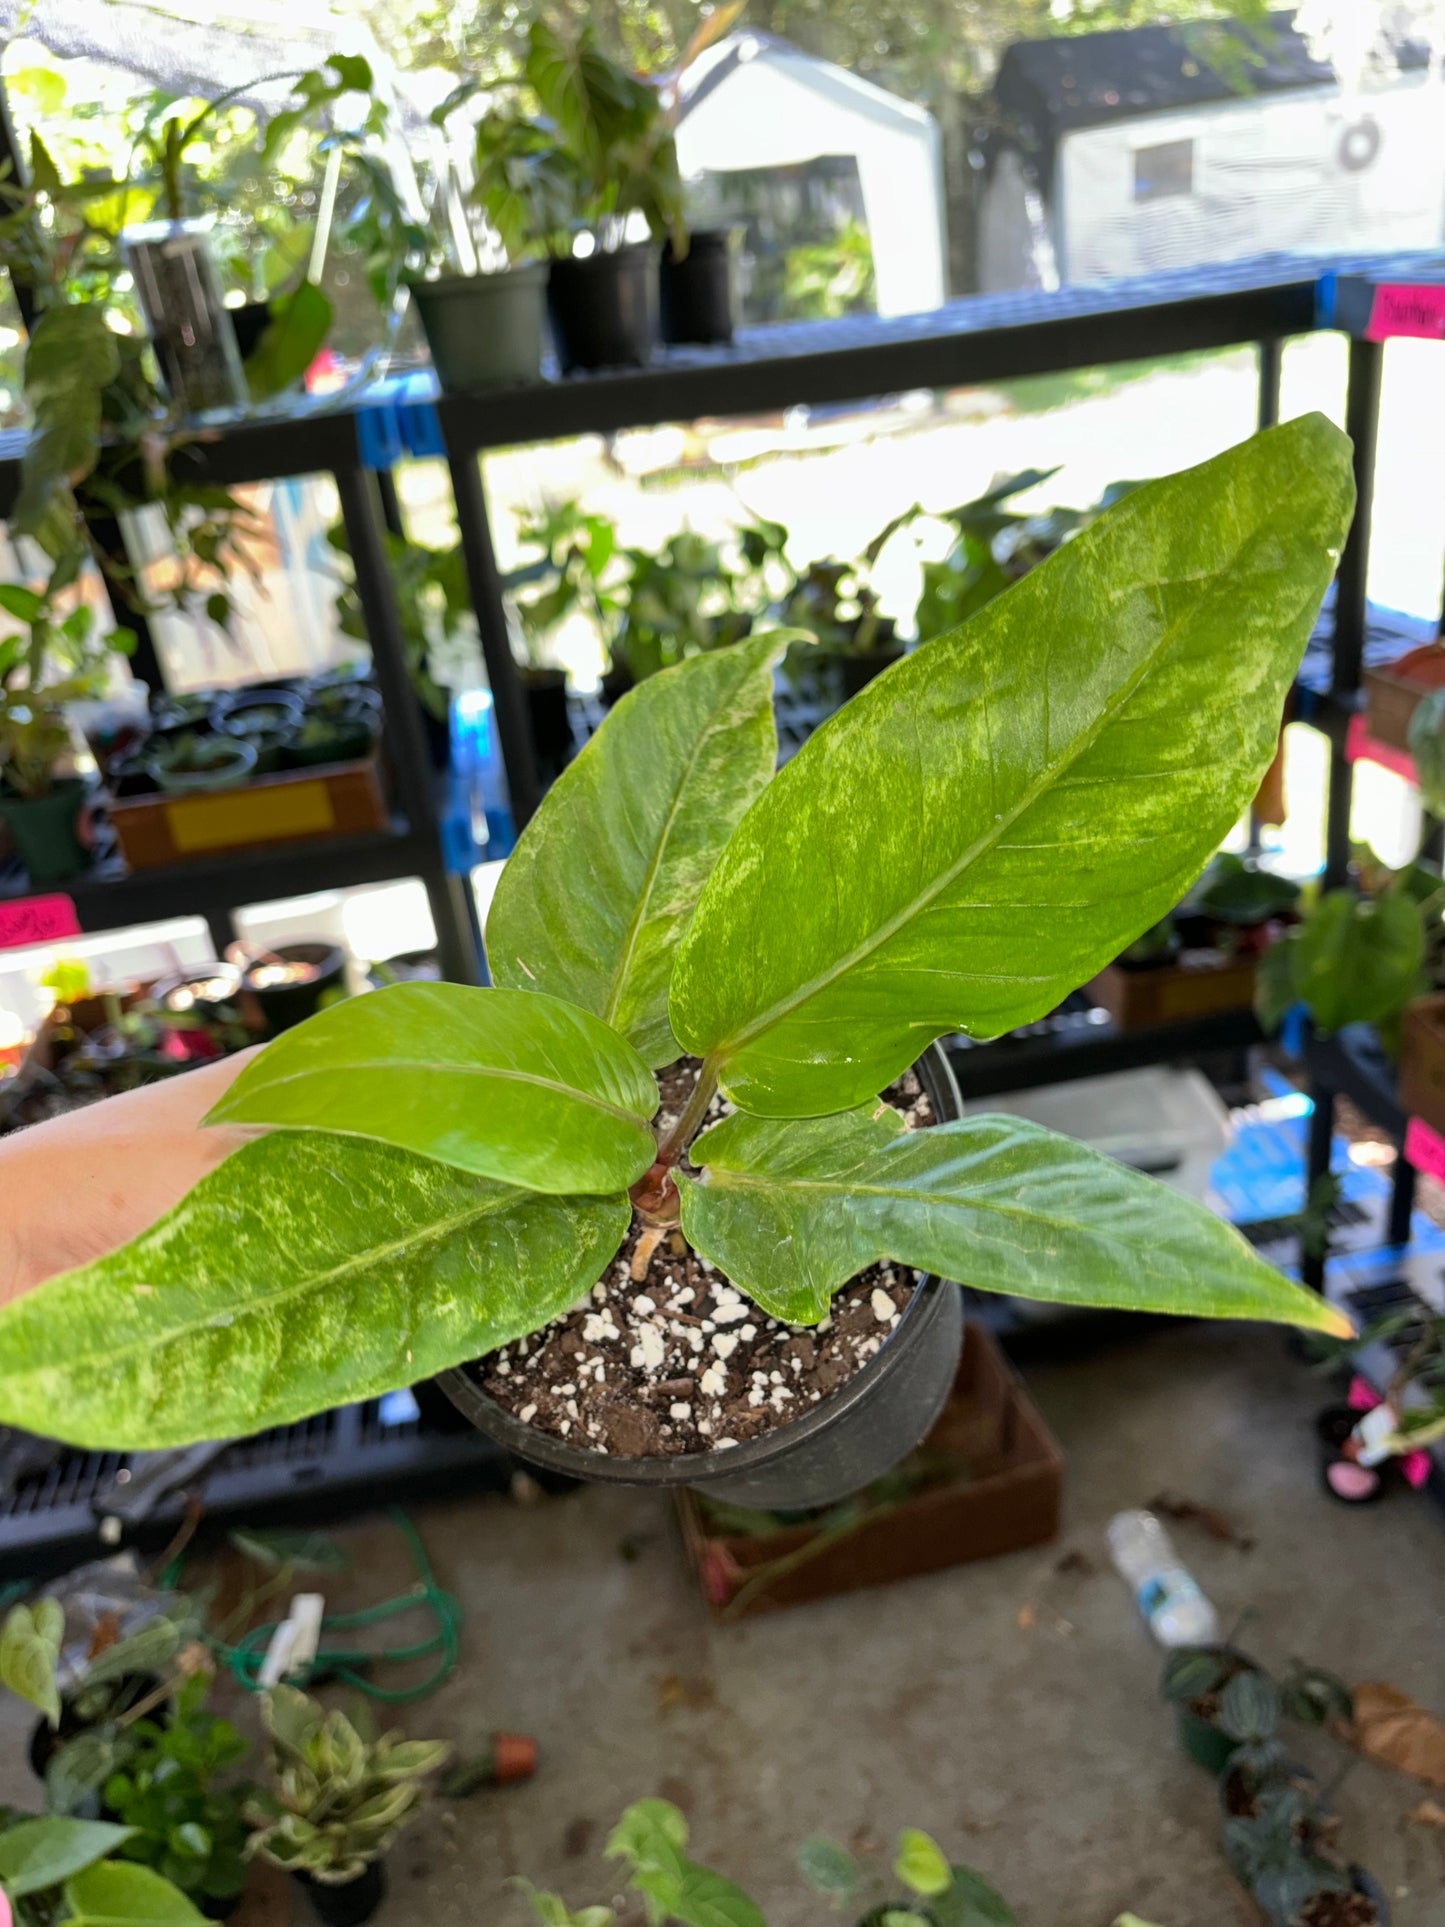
{"type": "Point", "coordinates": [230, 817]}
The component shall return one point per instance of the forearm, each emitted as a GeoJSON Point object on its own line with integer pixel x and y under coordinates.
{"type": "Point", "coordinates": [80, 1185]}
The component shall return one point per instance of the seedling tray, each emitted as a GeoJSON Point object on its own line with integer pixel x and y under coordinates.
{"type": "Point", "coordinates": [349, 1460]}
{"type": "Point", "coordinates": [294, 806]}
{"type": "Point", "coordinates": [1010, 1500]}
{"type": "Point", "coordinates": [1173, 993]}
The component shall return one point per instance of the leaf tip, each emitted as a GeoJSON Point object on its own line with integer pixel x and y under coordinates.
{"type": "Point", "coordinates": [1336, 1323]}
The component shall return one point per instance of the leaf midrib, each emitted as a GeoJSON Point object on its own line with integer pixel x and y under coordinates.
{"type": "Point", "coordinates": [644, 896]}
{"type": "Point", "coordinates": [375, 1254]}
{"type": "Point", "coordinates": [775, 1012]}
{"type": "Point", "coordinates": [222, 1115]}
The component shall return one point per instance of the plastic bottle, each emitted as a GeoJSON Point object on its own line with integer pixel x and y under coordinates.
{"type": "Point", "coordinates": [1175, 1610]}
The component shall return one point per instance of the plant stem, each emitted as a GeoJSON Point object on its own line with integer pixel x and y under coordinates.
{"type": "Point", "coordinates": [694, 1111]}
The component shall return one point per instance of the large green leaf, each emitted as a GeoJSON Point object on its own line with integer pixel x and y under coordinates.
{"type": "Point", "coordinates": [525, 1089]}
{"type": "Point", "coordinates": [29, 1653]}
{"type": "Point", "coordinates": [71, 359]}
{"type": "Point", "coordinates": [38, 1854]}
{"type": "Point", "coordinates": [118, 1894]}
{"type": "Point", "coordinates": [989, 823]}
{"type": "Point", "coordinates": [1356, 959]}
{"type": "Point", "coordinates": [293, 337]}
{"type": "Point", "coordinates": [306, 1270]}
{"type": "Point", "coordinates": [597, 893]}
{"type": "Point", "coordinates": [791, 1209]}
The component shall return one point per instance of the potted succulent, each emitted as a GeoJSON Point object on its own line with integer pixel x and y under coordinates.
{"type": "Point", "coordinates": [336, 1803]}
{"type": "Point", "coordinates": [801, 940]}
{"type": "Point", "coordinates": [54, 660]}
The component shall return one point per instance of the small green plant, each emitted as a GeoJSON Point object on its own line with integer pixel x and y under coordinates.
{"type": "Point", "coordinates": [54, 661]}
{"type": "Point", "coordinates": [338, 1800]}
{"type": "Point", "coordinates": [184, 1826]}
{"type": "Point", "coordinates": [30, 1652]}
{"type": "Point", "coordinates": [1356, 956]}
{"type": "Point", "coordinates": [914, 870]}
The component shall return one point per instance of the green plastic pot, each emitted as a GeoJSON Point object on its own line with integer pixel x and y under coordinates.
{"type": "Point", "coordinates": [44, 833]}
{"type": "Point", "coordinates": [236, 766]}
{"type": "Point", "coordinates": [484, 330]}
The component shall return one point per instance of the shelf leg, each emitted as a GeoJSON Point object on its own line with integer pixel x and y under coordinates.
{"type": "Point", "coordinates": [222, 926]}
{"type": "Point", "coordinates": [1271, 356]}
{"type": "Point", "coordinates": [1402, 1201]}
{"type": "Point", "coordinates": [1322, 1129]}
{"type": "Point", "coordinates": [459, 931]}
{"type": "Point", "coordinates": [486, 589]}
{"type": "Point", "coordinates": [1362, 422]}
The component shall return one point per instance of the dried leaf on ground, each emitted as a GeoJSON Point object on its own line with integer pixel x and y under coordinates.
{"type": "Point", "coordinates": [1429, 1813]}
{"type": "Point", "coordinates": [1215, 1522]}
{"type": "Point", "coordinates": [1391, 1729]}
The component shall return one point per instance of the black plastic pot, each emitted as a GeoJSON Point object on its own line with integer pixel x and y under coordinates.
{"type": "Point", "coordinates": [548, 720]}
{"type": "Point", "coordinates": [204, 1000]}
{"type": "Point", "coordinates": [603, 308]}
{"type": "Point", "coordinates": [348, 1905]}
{"type": "Point", "coordinates": [219, 1906]}
{"type": "Point", "coordinates": [45, 831]}
{"type": "Point", "coordinates": [697, 294]}
{"type": "Point", "coordinates": [248, 323]}
{"type": "Point", "coordinates": [484, 330]}
{"type": "Point", "coordinates": [859, 671]}
{"type": "Point", "coordinates": [615, 684]}
{"type": "Point", "coordinates": [237, 713]}
{"type": "Point", "coordinates": [128, 1691]}
{"type": "Point", "coordinates": [285, 1005]}
{"type": "Point", "coordinates": [1205, 1743]}
{"type": "Point", "coordinates": [836, 1447]}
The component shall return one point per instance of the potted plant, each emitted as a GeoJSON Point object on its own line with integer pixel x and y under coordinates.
{"type": "Point", "coordinates": [291, 982]}
{"type": "Point", "coordinates": [698, 275]}
{"type": "Point", "coordinates": [174, 268]}
{"type": "Point", "coordinates": [617, 159]}
{"type": "Point", "coordinates": [54, 660]}
{"type": "Point", "coordinates": [674, 602]}
{"type": "Point", "coordinates": [577, 548]}
{"type": "Point", "coordinates": [182, 1825]}
{"type": "Point", "coordinates": [834, 603]}
{"type": "Point", "coordinates": [651, 1841]}
{"type": "Point", "coordinates": [483, 309]}
{"type": "Point", "coordinates": [195, 764]}
{"type": "Point", "coordinates": [801, 940]}
{"type": "Point", "coordinates": [336, 1804]}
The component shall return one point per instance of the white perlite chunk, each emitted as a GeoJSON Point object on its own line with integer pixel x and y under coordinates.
{"type": "Point", "coordinates": [729, 1314]}
{"type": "Point", "coordinates": [714, 1381]}
{"type": "Point", "coordinates": [527, 1414]}
{"type": "Point", "coordinates": [724, 1344]}
{"type": "Point", "coordinates": [679, 1411]}
{"type": "Point", "coordinates": [882, 1305]}
{"type": "Point", "coordinates": [649, 1351]}
{"type": "Point", "coordinates": [642, 1304]}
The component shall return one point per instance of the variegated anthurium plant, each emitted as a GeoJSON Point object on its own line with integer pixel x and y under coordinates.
{"type": "Point", "coordinates": [445, 1169]}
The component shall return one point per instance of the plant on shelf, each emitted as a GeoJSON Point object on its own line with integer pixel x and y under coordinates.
{"type": "Point", "coordinates": [915, 869]}
{"type": "Point", "coordinates": [675, 602]}
{"type": "Point", "coordinates": [1358, 955]}
{"type": "Point", "coordinates": [52, 661]}
{"type": "Point", "coordinates": [338, 1800]}
{"type": "Point", "coordinates": [184, 1826]}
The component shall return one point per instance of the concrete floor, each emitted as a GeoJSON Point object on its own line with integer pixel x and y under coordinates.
{"type": "Point", "coordinates": [1008, 1708]}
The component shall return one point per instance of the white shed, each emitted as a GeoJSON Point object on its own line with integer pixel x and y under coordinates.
{"type": "Point", "coordinates": [754, 101]}
{"type": "Point", "coordinates": [1126, 153]}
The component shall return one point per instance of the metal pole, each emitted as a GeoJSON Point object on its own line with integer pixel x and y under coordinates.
{"type": "Point", "coordinates": [1402, 1200]}
{"type": "Point", "coordinates": [390, 503]}
{"type": "Point", "coordinates": [508, 702]}
{"type": "Point", "coordinates": [1322, 1126]}
{"type": "Point", "coordinates": [1362, 422]}
{"type": "Point", "coordinates": [1271, 355]}
{"type": "Point", "coordinates": [459, 929]}
{"type": "Point", "coordinates": [361, 515]}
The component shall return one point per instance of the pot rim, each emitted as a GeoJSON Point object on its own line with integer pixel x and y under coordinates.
{"type": "Point", "coordinates": [698, 1468]}
{"type": "Point", "coordinates": [450, 286]}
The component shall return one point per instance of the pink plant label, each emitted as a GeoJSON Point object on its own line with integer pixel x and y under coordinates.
{"type": "Point", "coordinates": [1415, 310]}
{"type": "Point", "coordinates": [1362, 747]}
{"type": "Point", "coordinates": [29, 920]}
{"type": "Point", "coordinates": [1425, 1149]}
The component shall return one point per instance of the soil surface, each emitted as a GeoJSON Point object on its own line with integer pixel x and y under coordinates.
{"type": "Point", "coordinates": [664, 1356]}
{"type": "Point", "coordinates": [1339, 1910]}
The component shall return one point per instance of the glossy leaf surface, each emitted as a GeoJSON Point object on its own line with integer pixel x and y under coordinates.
{"type": "Point", "coordinates": [305, 1271]}
{"type": "Point", "coordinates": [992, 821]}
{"type": "Point", "coordinates": [791, 1209]}
{"type": "Point", "coordinates": [38, 1854]}
{"type": "Point", "coordinates": [1356, 959]}
{"type": "Point", "coordinates": [527, 1090]}
{"type": "Point", "coordinates": [597, 893]}
{"type": "Point", "coordinates": [115, 1893]}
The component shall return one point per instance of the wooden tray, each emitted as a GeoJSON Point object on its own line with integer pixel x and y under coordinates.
{"type": "Point", "coordinates": [1170, 993]}
{"type": "Point", "coordinates": [1011, 1500]}
{"type": "Point", "coordinates": [1422, 1061]}
{"type": "Point", "coordinates": [294, 806]}
{"type": "Point", "coordinates": [1390, 703]}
